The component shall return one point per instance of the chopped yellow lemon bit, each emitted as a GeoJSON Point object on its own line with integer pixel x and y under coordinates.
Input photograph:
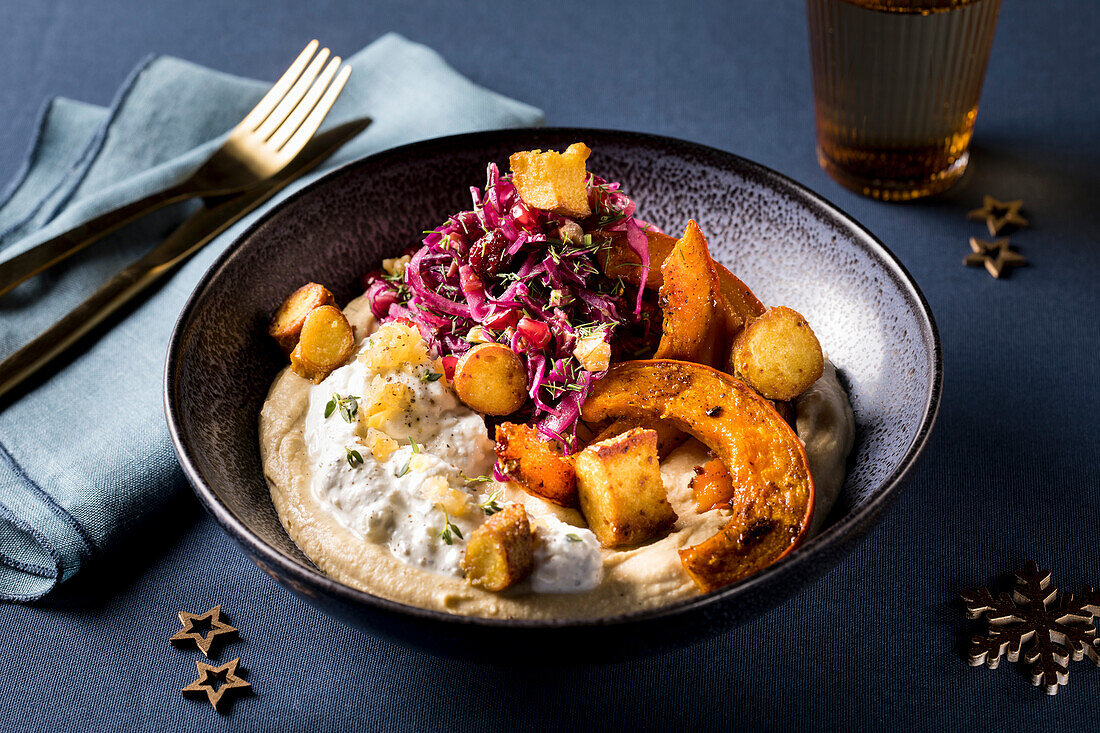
{"type": "Point", "coordinates": [419, 462]}
{"type": "Point", "coordinates": [593, 352]}
{"type": "Point", "coordinates": [392, 345]}
{"type": "Point", "coordinates": [381, 445]}
{"type": "Point", "coordinates": [383, 402]}
{"type": "Point", "coordinates": [436, 489]}
{"type": "Point", "coordinates": [553, 181]}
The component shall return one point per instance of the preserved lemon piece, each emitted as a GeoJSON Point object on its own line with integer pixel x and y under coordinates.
{"type": "Point", "coordinates": [456, 503]}
{"type": "Point", "coordinates": [384, 401]}
{"type": "Point", "coordinates": [381, 445]}
{"type": "Point", "coordinates": [392, 345]}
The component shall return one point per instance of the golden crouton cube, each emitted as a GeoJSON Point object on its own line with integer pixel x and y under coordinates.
{"type": "Point", "coordinates": [501, 552]}
{"type": "Point", "coordinates": [553, 181]}
{"type": "Point", "coordinates": [620, 489]}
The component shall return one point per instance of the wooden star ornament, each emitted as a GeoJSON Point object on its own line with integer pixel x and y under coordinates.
{"type": "Point", "coordinates": [202, 629]}
{"type": "Point", "coordinates": [217, 682]}
{"type": "Point", "coordinates": [995, 256]}
{"type": "Point", "coordinates": [999, 214]}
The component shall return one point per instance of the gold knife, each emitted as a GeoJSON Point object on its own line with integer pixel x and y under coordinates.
{"type": "Point", "coordinates": [188, 238]}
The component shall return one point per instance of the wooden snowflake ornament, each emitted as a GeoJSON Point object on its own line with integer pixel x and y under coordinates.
{"type": "Point", "coordinates": [1053, 630]}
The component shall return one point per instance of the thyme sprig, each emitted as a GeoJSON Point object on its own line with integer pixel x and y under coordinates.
{"type": "Point", "coordinates": [450, 529]}
{"type": "Point", "coordinates": [348, 405]}
{"type": "Point", "coordinates": [490, 505]}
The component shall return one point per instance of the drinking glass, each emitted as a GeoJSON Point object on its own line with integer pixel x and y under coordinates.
{"type": "Point", "coordinates": [896, 87]}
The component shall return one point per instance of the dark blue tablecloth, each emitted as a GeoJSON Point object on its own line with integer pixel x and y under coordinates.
{"type": "Point", "coordinates": [1010, 473]}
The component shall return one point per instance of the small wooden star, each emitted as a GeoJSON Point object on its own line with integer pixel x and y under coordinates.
{"type": "Point", "coordinates": [998, 214]}
{"type": "Point", "coordinates": [215, 682]}
{"type": "Point", "coordinates": [996, 256]}
{"type": "Point", "coordinates": [202, 629]}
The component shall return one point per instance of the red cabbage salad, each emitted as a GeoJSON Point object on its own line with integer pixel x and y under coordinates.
{"type": "Point", "coordinates": [528, 278]}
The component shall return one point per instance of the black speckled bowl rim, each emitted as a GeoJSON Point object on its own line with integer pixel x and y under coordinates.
{"type": "Point", "coordinates": [844, 532]}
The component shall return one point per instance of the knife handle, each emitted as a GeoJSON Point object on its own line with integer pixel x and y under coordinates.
{"type": "Point", "coordinates": [76, 324]}
{"type": "Point", "coordinates": [46, 254]}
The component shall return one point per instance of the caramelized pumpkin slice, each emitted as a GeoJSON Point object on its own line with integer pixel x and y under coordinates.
{"type": "Point", "coordinates": [537, 464]}
{"type": "Point", "coordinates": [734, 303]}
{"type": "Point", "coordinates": [773, 495]}
{"type": "Point", "coordinates": [689, 299]}
{"type": "Point", "coordinates": [617, 259]}
{"type": "Point", "coordinates": [712, 485]}
{"type": "Point", "coordinates": [736, 295]}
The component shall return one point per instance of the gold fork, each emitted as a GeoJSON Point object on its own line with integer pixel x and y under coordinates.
{"type": "Point", "coordinates": [264, 142]}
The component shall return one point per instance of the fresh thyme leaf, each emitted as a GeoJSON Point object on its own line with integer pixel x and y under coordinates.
{"type": "Point", "coordinates": [355, 458]}
{"type": "Point", "coordinates": [403, 471]}
{"type": "Point", "coordinates": [348, 405]}
{"type": "Point", "coordinates": [491, 506]}
{"type": "Point", "coordinates": [430, 376]}
{"type": "Point", "coordinates": [414, 444]}
{"type": "Point", "coordinates": [476, 479]}
{"type": "Point", "coordinates": [573, 537]}
{"type": "Point", "coordinates": [450, 529]}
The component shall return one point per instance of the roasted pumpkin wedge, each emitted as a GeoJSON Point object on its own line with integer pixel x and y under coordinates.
{"type": "Point", "coordinates": [537, 464]}
{"type": "Point", "coordinates": [689, 301]}
{"type": "Point", "coordinates": [617, 259]}
{"type": "Point", "coordinates": [734, 303]}
{"type": "Point", "coordinates": [773, 496]}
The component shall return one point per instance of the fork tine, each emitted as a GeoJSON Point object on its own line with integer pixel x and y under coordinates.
{"type": "Point", "coordinates": [287, 128]}
{"type": "Point", "coordinates": [317, 116]}
{"type": "Point", "coordinates": [290, 101]}
{"type": "Point", "coordinates": [260, 112]}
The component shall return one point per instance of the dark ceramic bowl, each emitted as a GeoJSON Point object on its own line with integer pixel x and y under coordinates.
{"type": "Point", "coordinates": [791, 246]}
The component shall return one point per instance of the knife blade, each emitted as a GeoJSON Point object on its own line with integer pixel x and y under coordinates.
{"type": "Point", "coordinates": [188, 238]}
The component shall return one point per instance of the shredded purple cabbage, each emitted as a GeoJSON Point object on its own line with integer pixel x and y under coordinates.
{"type": "Point", "coordinates": [508, 272]}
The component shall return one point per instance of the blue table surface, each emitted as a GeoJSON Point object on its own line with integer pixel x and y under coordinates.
{"type": "Point", "coordinates": [1010, 472]}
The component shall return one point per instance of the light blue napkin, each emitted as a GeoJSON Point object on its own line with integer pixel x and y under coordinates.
{"type": "Point", "coordinates": [84, 449]}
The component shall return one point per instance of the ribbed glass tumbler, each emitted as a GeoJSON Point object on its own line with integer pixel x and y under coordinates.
{"type": "Point", "coordinates": [896, 88]}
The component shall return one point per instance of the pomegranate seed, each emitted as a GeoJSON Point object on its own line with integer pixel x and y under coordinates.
{"type": "Point", "coordinates": [524, 216]}
{"type": "Point", "coordinates": [503, 320]}
{"type": "Point", "coordinates": [449, 366]}
{"type": "Point", "coordinates": [537, 333]}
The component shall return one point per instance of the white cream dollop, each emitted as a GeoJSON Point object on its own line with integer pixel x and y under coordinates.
{"type": "Point", "coordinates": [403, 501]}
{"type": "Point", "coordinates": [567, 558]}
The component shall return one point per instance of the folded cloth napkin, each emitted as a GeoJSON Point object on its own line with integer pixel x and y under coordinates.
{"type": "Point", "coordinates": [84, 449]}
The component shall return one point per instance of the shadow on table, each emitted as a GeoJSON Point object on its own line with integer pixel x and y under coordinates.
{"type": "Point", "coordinates": [1057, 185]}
{"type": "Point", "coordinates": [108, 575]}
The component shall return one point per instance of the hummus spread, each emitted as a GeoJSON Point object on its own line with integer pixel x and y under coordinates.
{"type": "Point", "coordinates": [383, 500]}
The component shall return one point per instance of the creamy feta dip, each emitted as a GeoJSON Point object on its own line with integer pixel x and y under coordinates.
{"type": "Point", "coordinates": [378, 527]}
{"type": "Point", "coordinates": [397, 459]}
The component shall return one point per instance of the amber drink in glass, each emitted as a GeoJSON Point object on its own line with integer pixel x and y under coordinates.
{"type": "Point", "coordinates": [896, 87]}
